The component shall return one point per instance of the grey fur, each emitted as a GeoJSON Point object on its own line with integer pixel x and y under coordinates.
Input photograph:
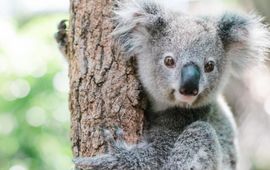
{"type": "Point", "coordinates": [185, 133]}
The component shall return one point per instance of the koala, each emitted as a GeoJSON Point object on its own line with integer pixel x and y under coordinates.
{"type": "Point", "coordinates": [183, 64]}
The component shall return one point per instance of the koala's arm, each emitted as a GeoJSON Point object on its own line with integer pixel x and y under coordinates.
{"type": "Point", "coordinates": [122, 156]}
{"type": "Point", "coordinates": [196, 148]}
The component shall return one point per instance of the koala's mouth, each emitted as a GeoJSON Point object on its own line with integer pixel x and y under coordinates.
{"type": "Point", "coordinates": [183, 99]}
{"type": "Point", "coordinates": [187, 99]}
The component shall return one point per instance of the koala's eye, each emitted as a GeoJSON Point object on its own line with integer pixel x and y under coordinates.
{"type": "Point", "coordinates": [209, 67]}
{"type": "Point", "coordinates": [169, 62]}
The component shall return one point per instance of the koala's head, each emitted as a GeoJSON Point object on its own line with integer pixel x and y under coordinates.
{"type": "Point", "coordinates": [183, 60]}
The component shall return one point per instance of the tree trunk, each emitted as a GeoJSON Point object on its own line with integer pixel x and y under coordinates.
{"type": "Point", "coordinates": [104, 90]}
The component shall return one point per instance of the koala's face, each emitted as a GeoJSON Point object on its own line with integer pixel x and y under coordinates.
{"type": "Point", "coordinates": [183, 61]}
{"type": "Point", "coordinates": [184, 65]}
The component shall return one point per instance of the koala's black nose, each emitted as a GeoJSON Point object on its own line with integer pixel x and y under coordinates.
{"type": "Point", "coordinates": [190, 77]}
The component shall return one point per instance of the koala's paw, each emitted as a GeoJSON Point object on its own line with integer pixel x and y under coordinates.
{"type": "Point", "coordinates": [61, 36]}
{"type": "Point", "coordinates": [116, 142]}
{"type": "Point", "coordinates": [112, 160]}
{"type": "Point", "coordinates": [100, 162]}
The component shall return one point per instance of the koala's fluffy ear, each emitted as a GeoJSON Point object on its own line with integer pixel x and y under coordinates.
{"type": "Point", "coordinates": [136, 22]}
{"type": "Point", "coordinates": [245, 38]}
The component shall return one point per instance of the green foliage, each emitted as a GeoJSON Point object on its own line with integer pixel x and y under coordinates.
{"type": "Point", "coordinates": [34, 116]}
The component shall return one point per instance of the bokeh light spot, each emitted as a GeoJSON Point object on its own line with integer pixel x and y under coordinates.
{"type": "Point", "coordinates": [20, 88]}
{"type": "Point", "coordinates": [61, 114]}
{"type": "Point", "coordinates": [60, 82]}
{"type": "Point", "coordinates": [7, 123]}
{"type": "Point", "coordinates": [36, 116]}
{"type": "Point", "coordinates": [18, 167]}
{"type": "Point", "coordinates": [39, 70]}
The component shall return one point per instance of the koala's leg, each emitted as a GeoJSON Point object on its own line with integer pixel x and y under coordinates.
{"type": "Point", "coordinates": [142, 156]}
{"type": "Point", "coordinates": [197, 148]}
{"type": "Point", "coordinates": [61, 37]}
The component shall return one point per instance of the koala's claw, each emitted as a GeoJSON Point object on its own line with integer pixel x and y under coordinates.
{"type": "Point", "coordinates": [119, 134]}
{"type": "Point", "coordinates": [108, 136]}
{"type": "Point", "coordinates": [61, 36]}
{"type": "Point", "coordinates": [62, 25]}
{"type": "Point", "coordinates": [117, 143]}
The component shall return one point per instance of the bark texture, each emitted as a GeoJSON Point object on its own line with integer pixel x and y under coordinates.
{"type": "Point", "coordinates": [104, 90]}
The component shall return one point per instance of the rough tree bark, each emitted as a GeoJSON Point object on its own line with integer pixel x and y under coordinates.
{"type": "Point", "coordinates": [104, 90]}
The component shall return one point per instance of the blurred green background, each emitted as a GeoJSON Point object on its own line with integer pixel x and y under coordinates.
{"type": "Point", "coordinates": [34, 116]}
